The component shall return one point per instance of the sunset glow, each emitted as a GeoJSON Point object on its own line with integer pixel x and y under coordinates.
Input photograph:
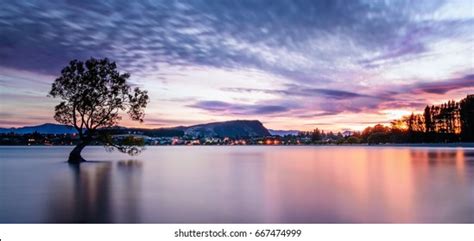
{"type": "Point", "coordinates": [335, 66]}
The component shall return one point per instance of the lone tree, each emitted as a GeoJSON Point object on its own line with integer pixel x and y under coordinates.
{"type": "Point", "coordinates": [92, 94]}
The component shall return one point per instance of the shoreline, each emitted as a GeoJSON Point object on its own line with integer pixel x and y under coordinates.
{"type": "Point", "coordinates": [457, 144]}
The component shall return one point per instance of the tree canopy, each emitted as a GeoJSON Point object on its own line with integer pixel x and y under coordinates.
{"type": "Point", "coordinates": [93, 94]}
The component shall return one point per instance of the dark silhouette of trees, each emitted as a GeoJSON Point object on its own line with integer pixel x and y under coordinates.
{"type": "Point", "coordinates": [448, 122]}
{"type": "Point", "coordinates": [415, 123]}
{"type": "Point", "coordinates": [429, 127]}
{"type": "Point", "coordinates": [352, 140]}
{"type": "Point", "coordinates": [376, 135]}
{"type": "Point", "coordinates": [378, 138]}
{"type": "Point", "coordinates": [93, 94]}
{"type": "Point", "coordinates": [442, 123]}
{"type": "Point", "coordinates": [444, 118]}
{"type": "Point", "coordinates": [316, 135]}
{"type": "Point", "coordinates": [415, 127]}
{"type": "Point", "coordinates": [467, 118]}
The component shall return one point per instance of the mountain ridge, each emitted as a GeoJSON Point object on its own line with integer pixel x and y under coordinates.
{"type": "Point", "coordinates": [233, 128]}
{"type": "Point", "coordinates": [46, 128]}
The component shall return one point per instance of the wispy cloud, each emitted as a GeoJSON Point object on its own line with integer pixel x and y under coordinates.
{"type": "Point", "coordinates": [220, 107]}
{"type": "Point", "coordinates": [444, 86]}
{"type": "Point", "coordinates": [273, 36]}
{"type": "Point", "coordinates": [295, 90]}
{"type": "Point", "coordinates": [329, 57]}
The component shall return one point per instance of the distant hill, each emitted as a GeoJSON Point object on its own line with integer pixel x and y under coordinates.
{"type": "Point", "coordinates": [283, 132]}
{"type": "Point", "coordinates": [236, 128]}
{"type": "Point", "coordinates": [47, 128]}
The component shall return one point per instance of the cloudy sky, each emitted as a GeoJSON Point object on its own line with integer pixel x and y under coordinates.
{"type": "Point", "coordinates": [291, 64]}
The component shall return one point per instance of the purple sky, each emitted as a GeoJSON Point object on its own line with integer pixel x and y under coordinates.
{"type": "Point", "coordinates": [290, 64]}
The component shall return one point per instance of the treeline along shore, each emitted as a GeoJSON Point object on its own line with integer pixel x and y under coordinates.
{"type": "Point", "coordinates": [445, 124]}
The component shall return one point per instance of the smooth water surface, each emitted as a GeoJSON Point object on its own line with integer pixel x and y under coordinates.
{"type": "Point", "coordinates": [202, 184]}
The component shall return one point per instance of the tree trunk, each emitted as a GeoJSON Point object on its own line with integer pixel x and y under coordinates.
{"type": "Point", "coordinates": [75, 155]}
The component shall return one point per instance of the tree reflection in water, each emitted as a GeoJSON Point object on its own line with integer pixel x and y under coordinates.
{"type": "Point", "coordinates": [130, 174]}
{"type": "Point", "coordinates": [88, 194]}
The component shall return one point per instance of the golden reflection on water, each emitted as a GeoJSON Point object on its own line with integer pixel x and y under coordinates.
{"type": "Point", "coordinates": [380, 185]}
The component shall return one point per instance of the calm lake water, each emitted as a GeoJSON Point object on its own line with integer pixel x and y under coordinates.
{"type": "Point", "coordinates": [281, 184]}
